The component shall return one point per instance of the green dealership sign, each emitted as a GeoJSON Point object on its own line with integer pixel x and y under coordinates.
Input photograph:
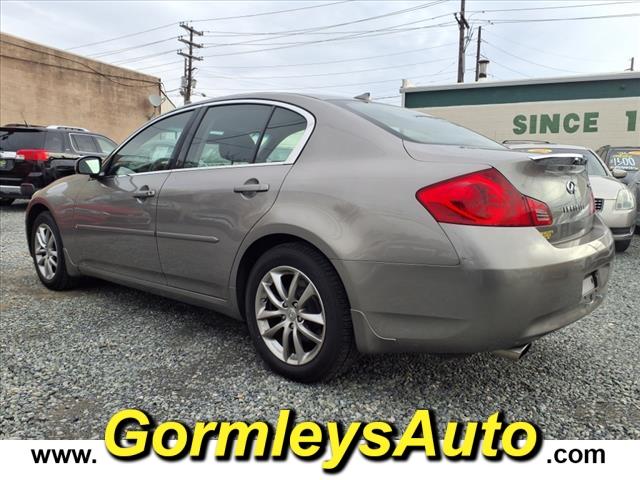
{"type": "Point", "coordinates": [586, 122]}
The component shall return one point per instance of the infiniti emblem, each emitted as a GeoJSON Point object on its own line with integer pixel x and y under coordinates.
{"type": "Point", "coordinates": [571, 187]}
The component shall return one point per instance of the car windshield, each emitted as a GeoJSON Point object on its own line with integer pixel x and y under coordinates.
{"type": "Point", "coordinates": [13, 140]}
{"type": "Point", "coordinates": [594, 166]}
{"type": "Point", "coordinates": [625, 158]}
{"type": "Point", "coordinates": [416, 126]}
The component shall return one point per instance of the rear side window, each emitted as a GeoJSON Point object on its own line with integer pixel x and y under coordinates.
{"type": "Point", "coordinates": [228, 135]}
{"type": "Point", "coordinates": [283, 134]}
{"type": "Point", "coordinates": [417, 127]}
{"type": "Point", "coordinates": [84, 143]}
{"type": "Point", "coordinates": [14, 140]}
{"type": "Point", "coordinates": [55, 142]}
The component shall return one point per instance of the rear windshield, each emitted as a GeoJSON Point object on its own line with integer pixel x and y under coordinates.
{"type": "Point", "coordinates": [625, 158]}
{"type": "Point", "coordinates": [594, 166]}
{"type": "Point", "coordinates": [416, 126]}
{"type": "Point", "coordinates": [14, 140]}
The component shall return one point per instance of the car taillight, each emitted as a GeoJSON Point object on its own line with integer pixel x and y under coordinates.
{"type": "Point", "coordinates": [33, 154]}
{"type": "Point", "coordinates": [483, 198]}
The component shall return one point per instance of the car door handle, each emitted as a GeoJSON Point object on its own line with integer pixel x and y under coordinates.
{"type": "Point", "coordinates": [144, 193]}
{"type": "Point", "coordinates": [251, 187]}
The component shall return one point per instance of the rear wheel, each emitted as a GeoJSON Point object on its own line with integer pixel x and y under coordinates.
{"type": "Point", "coordinates": [48, 254]}
{"type": "Point", "coordinates": [298, 314]}
{"type": "Point", "coordinates": [622, 245]}
{"type": "Point", "coordinates": [5, 202]}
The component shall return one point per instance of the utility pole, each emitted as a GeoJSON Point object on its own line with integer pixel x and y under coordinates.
{"type": "Point", "coordinates": [478, 53]}
{"type": "Point", "coordinates": [630, 69]}
{"type": "Point", "coordinates": [462, 25]}
{"type": "Point", "coordinates": [188, 82]}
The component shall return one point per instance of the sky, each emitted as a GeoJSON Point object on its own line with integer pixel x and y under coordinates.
{"type": "Point", "coordinates": [342, 47]}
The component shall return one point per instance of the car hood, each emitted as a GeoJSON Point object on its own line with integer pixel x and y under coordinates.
{"type": "Point", "coordinates": [605, 187]}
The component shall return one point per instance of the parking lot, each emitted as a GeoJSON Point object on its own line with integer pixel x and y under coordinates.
{"type": "Point", "coordinates": [72, 359]}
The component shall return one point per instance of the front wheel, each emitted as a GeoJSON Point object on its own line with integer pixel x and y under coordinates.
{"type": "Point", "coordinates": [298, 314]}
{"type": "Point", "coordinates": [622, 245]}
{"type": "Point", "coordinates": [48, 254]}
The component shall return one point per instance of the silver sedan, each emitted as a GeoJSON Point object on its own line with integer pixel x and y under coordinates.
{"type": "Point", "coordinates": [332, 226]}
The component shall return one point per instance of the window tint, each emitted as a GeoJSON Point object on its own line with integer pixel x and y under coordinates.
{"type": "Point", "coordinates": [228, 135]}
{"type": "Point", "coordinates": [416, 126]}
{"type": "Point", "coordinates": [55, 142]}
{"type": "Point", "coordinates": [13, 140]}
{"type": "Point", "coordinates": [84, 143]}
{"type": "Point", "coordinates": [284, 132]}
{"type": "Point", "coordinates": [106, 146]}
{"type": "Point", "coordinates": [151, 149]}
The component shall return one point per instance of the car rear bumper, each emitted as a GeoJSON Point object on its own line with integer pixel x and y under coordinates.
{"type": "Point", "coordinates": [511, 287]}
{"type": "Point", "coordinates": [25, 190]}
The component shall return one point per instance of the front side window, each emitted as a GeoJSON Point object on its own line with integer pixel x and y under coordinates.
{"type": "Point", "coordinates": [416, 126]}
{"type": "Point", "coordinates": [228, 135]}
{"type": "Point", "coordinates": [152, 149]}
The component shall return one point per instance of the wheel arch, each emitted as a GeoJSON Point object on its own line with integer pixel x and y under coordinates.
{"type": "Point", "coordinates": [33, 212]}
{"type": "Point", "coordinates": [258, 245]}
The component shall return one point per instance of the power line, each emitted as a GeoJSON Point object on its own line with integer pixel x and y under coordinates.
{"type": "Point", "coordinates": [124, 36]}
{"type": "Point", "coordinates": [592, 59]}
{"type": "Point", "coordinates": [126, 49]}
{"type": "Point", "coordinates": [529, 60]}
{"type": "Point", "coordinates": [205, 20]}
{"type": "Point", "coordinates": [268, 13]}
{"type": "Point", "coordinates": [329, 74]}
{"type": "Point", "coordinates": [537, 20]}
{"type": "Point", "coordinates": [550, 8]}
{"type": "Point", "coordinates": [89, 67]}
{"type": "Point", "coordinates": [393, 54]}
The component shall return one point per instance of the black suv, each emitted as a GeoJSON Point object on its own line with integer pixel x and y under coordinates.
{"type": "Point", "coordinates": [31, 157]}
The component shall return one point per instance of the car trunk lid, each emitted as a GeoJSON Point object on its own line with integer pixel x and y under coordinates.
{"type": "Point", "coordinates": [559, 180]}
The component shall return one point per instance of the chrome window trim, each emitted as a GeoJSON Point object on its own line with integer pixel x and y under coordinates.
{"type": "Point", "coordinates": [291, 159]}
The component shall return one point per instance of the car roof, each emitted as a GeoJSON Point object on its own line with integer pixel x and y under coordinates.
{"type": "Point", "coordinates": [286, 97]}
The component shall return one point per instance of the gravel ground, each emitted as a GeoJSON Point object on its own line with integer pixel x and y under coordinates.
{"type": "Point", "coordinates": [72, 359]}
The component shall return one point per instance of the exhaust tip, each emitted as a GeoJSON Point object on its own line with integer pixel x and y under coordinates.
{"type": "Point", "coordinates": [515, 353]}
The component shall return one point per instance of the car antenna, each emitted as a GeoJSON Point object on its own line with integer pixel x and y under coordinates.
{"type": "Point", "coordinates": [365, 97]}
{"type": "Point", "coordinates": [24, 120]}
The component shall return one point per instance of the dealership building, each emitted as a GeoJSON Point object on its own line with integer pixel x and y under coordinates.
{"type": "Point", "coordinates": [591, 110]}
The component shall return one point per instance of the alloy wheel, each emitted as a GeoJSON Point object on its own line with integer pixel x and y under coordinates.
{"type": "Point", "coordinates": [290, 315]}
{"type": "Point", "coordinates": [46, 251]}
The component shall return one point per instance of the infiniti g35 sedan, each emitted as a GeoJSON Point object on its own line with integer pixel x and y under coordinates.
{"type": "Point", "coordinates": [333, 226]}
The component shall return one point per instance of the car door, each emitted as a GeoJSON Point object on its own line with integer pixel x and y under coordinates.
{"type": "Point", "coordinates": [230, 177]}
{"type": "Point", "coordinates": [115, 216]}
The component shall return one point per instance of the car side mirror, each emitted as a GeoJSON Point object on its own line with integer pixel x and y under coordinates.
{"type": "Point", "coordinates": [619, 173]}
{"type": "Point", "coordinates": [89, 165]}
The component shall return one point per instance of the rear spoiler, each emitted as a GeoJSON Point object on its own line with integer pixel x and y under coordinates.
{"type": "Point", "coordinates": [577, 158]}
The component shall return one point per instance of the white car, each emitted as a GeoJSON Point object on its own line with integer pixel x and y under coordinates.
{"type": "Point", "coordinates": [614, 201]}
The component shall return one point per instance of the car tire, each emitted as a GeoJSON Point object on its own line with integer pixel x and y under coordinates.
{"type": "Point", "coordinates": [48, 254]}
{"type": "Point", "coordinates": [622, 245]}
{"type": "Point", "coordinates": [5, 202]}
{"type": "Point", "coordinates": [321, 320]}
